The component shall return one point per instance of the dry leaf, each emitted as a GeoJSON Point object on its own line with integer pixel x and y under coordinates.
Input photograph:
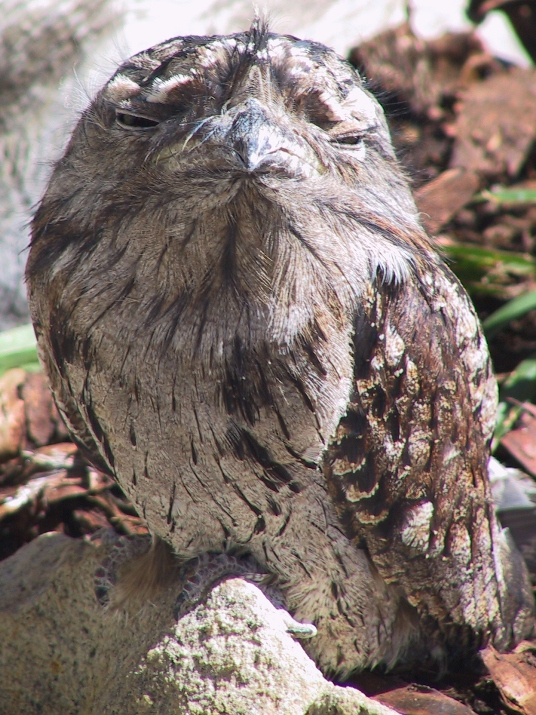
{"type": "Point", "coordinates": [422, 700]}
{"type": "Point", "coordinates": [514, 674]}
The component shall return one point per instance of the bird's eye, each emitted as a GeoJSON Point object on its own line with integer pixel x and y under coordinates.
{"type": "Point", "coordinates": [348, 139]}
{"type": "Point", "coordinates": [135, 121]}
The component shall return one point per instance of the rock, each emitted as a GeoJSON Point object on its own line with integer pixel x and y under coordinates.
{"type": "Point", "coordinates": [62, 652]}
{"type": "Point", "coordinates": [41, 41]}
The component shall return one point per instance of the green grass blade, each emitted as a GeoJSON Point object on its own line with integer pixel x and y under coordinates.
{"type": "Point", "coordinates": [508, 195]}
{"type": "Point", "coordinates": [485, 271]}
{"type": "Point", "coordinates": [513, 309]}
{"type": "Point", "coordinates": [18, 348]}
{"type": "Point", "coordinates": [521, 383]}
{"type": "Point", "coordinates": [521, 386]}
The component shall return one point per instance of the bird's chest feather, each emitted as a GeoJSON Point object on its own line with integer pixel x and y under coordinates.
{"type": "Point", "coordinates": [221, 440]}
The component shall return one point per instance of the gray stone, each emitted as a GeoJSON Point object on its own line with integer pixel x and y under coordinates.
{"type": "Point", "coordinates": [41, 44]}
{"type": "Point", "coordinates": [63, 653]}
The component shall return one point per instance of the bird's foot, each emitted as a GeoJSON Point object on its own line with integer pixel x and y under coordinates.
{"type": "Point", "coordinates": [120, 550]}
{"type": "Point", "coordinates": [201, 574]}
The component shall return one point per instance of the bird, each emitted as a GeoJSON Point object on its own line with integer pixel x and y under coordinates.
{"type": "Point", "coordinates": [244, 322]}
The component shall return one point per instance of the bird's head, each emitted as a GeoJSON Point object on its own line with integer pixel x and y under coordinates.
{"type": "Point", "coordinates": [239, 110]}
{"type": "Point", "coordinates": [253, 169]}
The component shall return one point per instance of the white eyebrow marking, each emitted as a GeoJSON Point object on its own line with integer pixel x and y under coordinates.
{"type": "Point", "coordinates": [122, 87]}
{"type": "Point", "coordinates": [162, 87]}
{"type": "Point", "coordinates": [357, 105]}
{"type": "Point", "coordinates": [360, 104]}
{"type": "Point", "coordinates": [333, 105]}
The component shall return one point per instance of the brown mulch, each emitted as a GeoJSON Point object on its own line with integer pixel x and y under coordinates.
{"type": "Point", "coordinates": [462, 122]}
{"type": "Point", "coordinates": [45, 483]}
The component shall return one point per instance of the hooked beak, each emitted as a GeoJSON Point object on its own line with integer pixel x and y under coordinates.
{"type": "Point", "coordinates": [262, 146]}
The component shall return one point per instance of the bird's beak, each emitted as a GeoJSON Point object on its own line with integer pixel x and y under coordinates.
{"type": "Point", "coordinates": [262, 144]}
{"type": "Point", "coordinates": [254, 136]}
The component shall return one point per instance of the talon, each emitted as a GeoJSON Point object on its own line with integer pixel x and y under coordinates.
{"type": "Point", "coordinates": [299, 630]}
{"type": "Point", "coordinates": [206, 571]}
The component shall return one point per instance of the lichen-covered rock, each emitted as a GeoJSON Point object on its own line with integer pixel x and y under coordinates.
{"type": "Point", "coordinates": [61, 652]}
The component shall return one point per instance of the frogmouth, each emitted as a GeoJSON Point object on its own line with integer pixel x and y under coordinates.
{"type": "Point", "coordinates": [244, 322]}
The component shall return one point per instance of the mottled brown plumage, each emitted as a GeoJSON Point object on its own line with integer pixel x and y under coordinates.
{"type": "Point", "coordinates": [243, 320]}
